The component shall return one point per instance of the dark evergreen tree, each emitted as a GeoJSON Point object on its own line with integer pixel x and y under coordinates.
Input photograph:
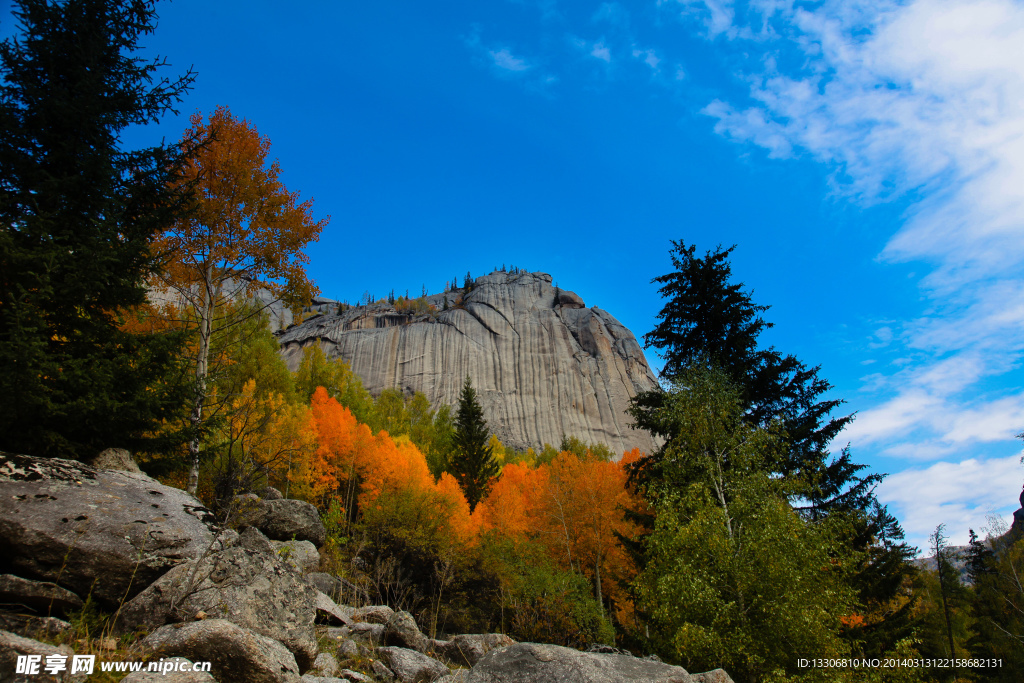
{"type": "Point", "coordinates": [949, 583]}
{"type": "Point", "coordinates": [882, 579]}
{"type": "Point", "coordinates": [997, 622]}
{"type": "Point", "coordinates": [472, 463]}
{"type": "Point", "coordinates": [77, 214]}
{"type": "Point", "coordinates": [708, 318]}
{"type": "Point", "coordinates": [980, 559]}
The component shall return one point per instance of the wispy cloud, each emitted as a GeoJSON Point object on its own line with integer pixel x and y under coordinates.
{"type": "Point", "coordinates": [921, 101]}
{"type": "Point", "coordinates": [717, 15]}
{"type": "Point", "coordinates": [959, 494]}
{"type": "Point", "coordinates": [600, 51]}
{"type": "Point", "coordinates": [506, 62]}
{"type": "Point", "coordinates": [648, 56]}
{"type": "Point", "coordinates": [504, 59]}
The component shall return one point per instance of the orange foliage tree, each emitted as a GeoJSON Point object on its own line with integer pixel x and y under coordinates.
{"type": "Point", "coordinates": [245, 233]}
{"type": "Point", "coordinates": [377, 475]}
{"type": "Point", "coordinates": [575, 507]}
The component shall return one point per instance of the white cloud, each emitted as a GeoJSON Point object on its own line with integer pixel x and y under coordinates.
{"type": "Point", "coordinates": [649, 57]}
{"type": "Point", "coordinates": [504, 59]}
{"type": "Point", "coordinates": [601, 51]}
{"type": "Point", "coordinates": [923, 101]}
{"type": "Point", "coordinates": [508, 63]}
{"type": "Point", "coordinates": [897, 416]}
{"type": "Point", "coordinates": [926, 97]}
{"type": "Point", "coordinates": [717, 15]}
{"type": "Point", "coordinates": [957, 494]}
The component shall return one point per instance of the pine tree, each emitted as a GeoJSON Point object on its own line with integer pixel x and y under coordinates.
{"type": "Point", "coordinates": [472, 463]}
{"type": "Point", "coordinates": [77, 214]}
{"type": "Point", "coordinates": [708, 318]}
{"type": "Point", "coordinates": [949, 582]}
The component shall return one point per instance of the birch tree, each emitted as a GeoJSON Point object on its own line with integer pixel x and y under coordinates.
{"type": "Point", "coordinates": [245, 235]}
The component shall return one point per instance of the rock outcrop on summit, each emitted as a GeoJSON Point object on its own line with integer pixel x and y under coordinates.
{"type": "Point", "coordinates": [543, 364]}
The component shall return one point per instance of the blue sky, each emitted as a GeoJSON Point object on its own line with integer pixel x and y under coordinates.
{"type": "Point", "coordinates": [866, 156]}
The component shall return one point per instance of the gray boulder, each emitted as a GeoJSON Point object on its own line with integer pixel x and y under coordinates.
{"type": "Point", "coordinates": [402, 631]}
{"type": "Point", "coordinates": [302, 554]}
{"type": "Point", "coordinates": [327, 612]}
{"type": "Point", "coordinates": [381, 671]}
{"type": "Point", "coordinates": [456, 676]}
{"type": "Point", "coordinates": [286, 520]}
{"type": "Point", "coordinates": [66, 522]}
{"type": "Point", "coordinates": [355, 676]}
{"type": "Point", "coordinates": [373, 614]}
{"type": "Point", "coordinates": [270, 493]}
{"type": "Point", "coordinates": [41, 597]}
{"type": "Point", "coordinates": [714, 676]}
{"type": "Point", "coordinates": [12, 645]}
{"type": "Point", "coordinates": [410, 666]}
{"type": "Point", "coordinates": [328, 584]}
{"type": "Point", "coordinates": [248, 585]}
{"type": "Point", "coordinates": [325, 665]}
{"type": "Point", "coordinates": [237, 655]}
{"type": "Point", "coordinates": [115, 459]}
{"type": "Point", "coordinates": [27, 624]}
{"type": "Point", "coordinates": [468, 649]}
{"type": "Point", "coordinates": [366, 632]}
{"type": "Point", "coordinates": [180, 673]}
{"type": "Point", "coordinates": [532, 662]}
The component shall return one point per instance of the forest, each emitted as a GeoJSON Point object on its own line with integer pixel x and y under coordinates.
{"type": "Point", "coordinates": [129, 318]}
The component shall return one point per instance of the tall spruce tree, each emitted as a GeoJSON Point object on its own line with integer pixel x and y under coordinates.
{"type": "Point", "coordinates": [708, 318]}
{"type": "Point", "coordinates": [472, 463]}
{"type": "Point", "coordinates": [76, 217]}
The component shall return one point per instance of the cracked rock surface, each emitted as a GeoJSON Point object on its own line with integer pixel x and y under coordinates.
{"type": "Point", "coordinates": [543, 364]}
{"type": "Point", "coordinates": [61, 518]}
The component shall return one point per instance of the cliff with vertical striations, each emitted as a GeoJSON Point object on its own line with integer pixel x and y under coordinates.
{"type": "Point", "coordinates": [542, 363]}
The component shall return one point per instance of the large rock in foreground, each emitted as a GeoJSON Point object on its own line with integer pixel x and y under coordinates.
{"type": "Point", "coordinates": [532, 662]}
{"type": "Point", "coordinates": [12, 645]}
{"type": "Point", "coordinates": [249, 585]}
{"type": "Point", "coordinates": [237, 655]}
{"type": "Point", "coordinates": [66, 522]}
{"type": "Point", "coordinates": [543, 364]}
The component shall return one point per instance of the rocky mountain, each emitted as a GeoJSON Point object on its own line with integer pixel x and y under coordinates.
{"type": "Point", "coordinates": [543, 364]}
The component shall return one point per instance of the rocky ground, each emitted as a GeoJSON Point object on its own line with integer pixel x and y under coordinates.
{"type": "Point", "coordinates": [251, 603]}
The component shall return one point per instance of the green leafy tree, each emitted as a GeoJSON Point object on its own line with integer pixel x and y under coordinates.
{"type": "Point", "coordinates": [77, 214]}
{"type": "Point", "coordinates": [733, 576]}
{"type": "Point", "coordinates": [316, 370]}
{"type": "Point", "coordinates": [472, 463]}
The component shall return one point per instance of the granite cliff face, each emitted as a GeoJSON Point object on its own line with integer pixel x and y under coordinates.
{"type": "Point", "coordinates": [542, 363]}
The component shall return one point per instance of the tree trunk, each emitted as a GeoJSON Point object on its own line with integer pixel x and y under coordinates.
{"type": "Point", "coordinates": [202, 368]}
